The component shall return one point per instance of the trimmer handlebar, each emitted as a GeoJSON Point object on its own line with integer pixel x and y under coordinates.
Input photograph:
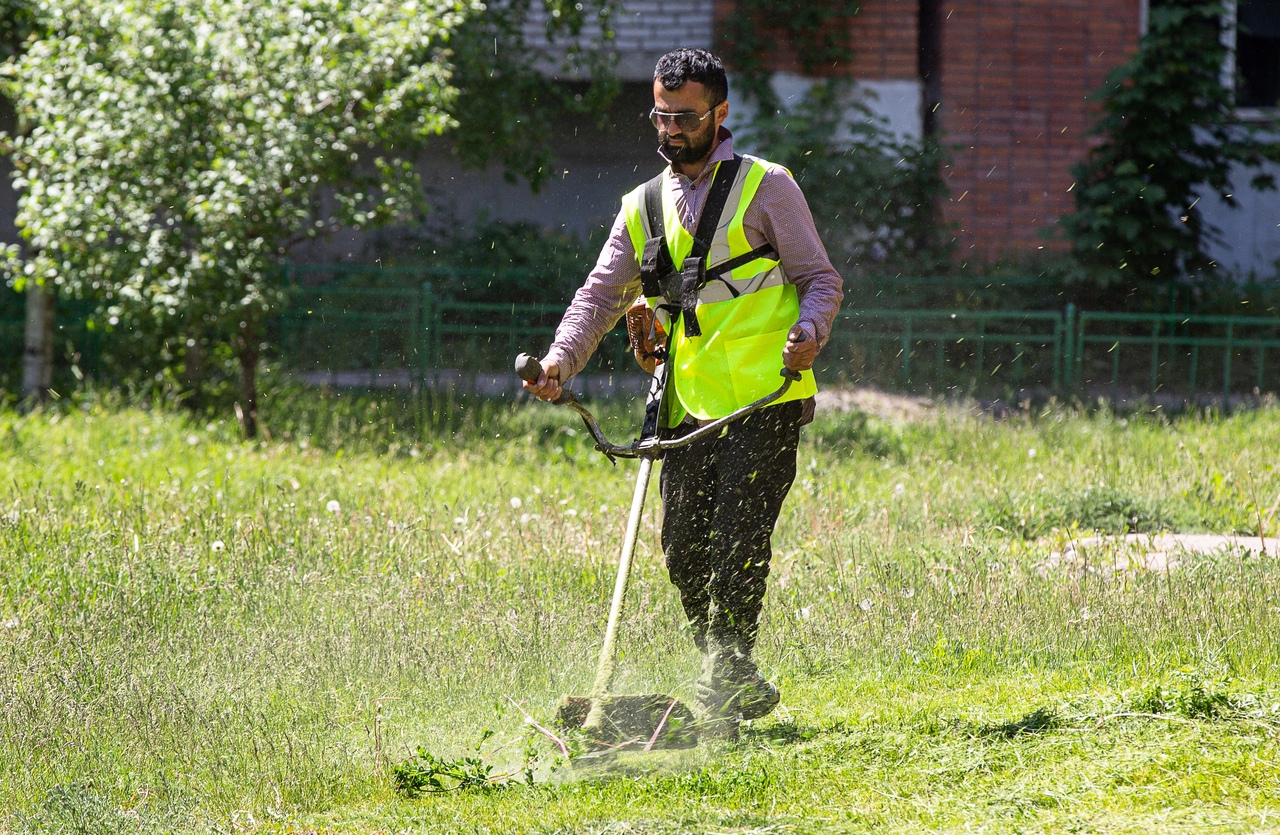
{"type": "Point", "coordinates": [530, 369]}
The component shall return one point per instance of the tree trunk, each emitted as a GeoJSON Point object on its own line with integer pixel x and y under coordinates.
{"type": "Point", "coordinates": [37, 345]}
{"type": "Point", "coordinates": [250, 347]}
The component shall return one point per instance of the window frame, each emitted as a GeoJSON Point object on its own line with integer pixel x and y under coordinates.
{"type": "Point", "coordinates": [1228, 34]}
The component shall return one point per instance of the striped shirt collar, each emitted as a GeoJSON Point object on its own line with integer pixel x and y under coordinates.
{"type": "Point", "coordinates": [723, 151]}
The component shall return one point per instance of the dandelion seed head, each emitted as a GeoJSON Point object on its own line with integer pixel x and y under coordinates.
{"type": "Point", "coordinates": [217, 546]}
{"type": "Point", "coordinates": [333, 506]}
{"type": "Point", "coordinates": [516, 503]}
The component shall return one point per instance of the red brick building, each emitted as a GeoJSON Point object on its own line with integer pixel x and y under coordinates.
{"type": "Point", "coordinates": [1005, 83]}
{"type": "Point", "coordinates": [1015, 79]}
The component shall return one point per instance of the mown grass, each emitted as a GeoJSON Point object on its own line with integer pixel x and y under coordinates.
{"type": "Point", "coordinates": [198, 634]}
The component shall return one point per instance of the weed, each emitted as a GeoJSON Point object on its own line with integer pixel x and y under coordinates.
{"type": "Point", "coordinates": [1098, 508]}
{"type": "Point", "coordinates": [1188, 693]}
{"type": "Point", "coordinates": [424, 772]}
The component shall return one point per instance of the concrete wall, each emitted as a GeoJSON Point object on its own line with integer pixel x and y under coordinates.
{"type": "Point", "coordinates": [1251, 231]}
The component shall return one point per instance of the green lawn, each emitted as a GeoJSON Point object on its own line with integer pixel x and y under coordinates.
{"type": "Point", "coordinates": [198, 634]}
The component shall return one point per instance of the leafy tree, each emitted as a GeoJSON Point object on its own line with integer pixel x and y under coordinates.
{"type": "Point", "coordinates": [174, 152]}
{"type": "Point", "coordinates": [17, 23]}
{"type": "Point", "coordinates": [1168, 134]}
{"type": "Point", "coordinates": [510, 74]}
{"type": "Point", "coordinates": [873, 196]}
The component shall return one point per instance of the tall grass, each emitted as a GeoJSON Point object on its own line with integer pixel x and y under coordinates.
{"type": "Point", "coordinates": [202, 634]}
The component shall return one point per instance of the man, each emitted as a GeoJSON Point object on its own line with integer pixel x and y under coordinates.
{"type": "Point", "coordinates": [741, 290]}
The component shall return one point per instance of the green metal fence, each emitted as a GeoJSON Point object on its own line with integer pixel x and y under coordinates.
{"type": "Point", "coordinates": [974, 351]}
{"type": "Point", "coordinates": [1131, 353]}
{"type": "Point", "coordinates": [355, 324]}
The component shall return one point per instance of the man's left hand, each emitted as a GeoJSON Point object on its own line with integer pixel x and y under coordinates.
{"type": "Point", "coordinates": [800, 351]}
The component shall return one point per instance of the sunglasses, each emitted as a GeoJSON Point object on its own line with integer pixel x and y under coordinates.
{"type": "Point", "coordinates": [687, 122]}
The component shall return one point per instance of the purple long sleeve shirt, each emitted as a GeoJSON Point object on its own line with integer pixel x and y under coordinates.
{"type": "Point", "coordinates": [778, 215]}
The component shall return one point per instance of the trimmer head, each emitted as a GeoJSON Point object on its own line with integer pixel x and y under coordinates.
{"type": "Point", "coordinates": [631, 723]}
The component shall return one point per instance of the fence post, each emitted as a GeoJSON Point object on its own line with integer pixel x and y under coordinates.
{"type": "Point", "coordinates": [906, 353]}
{"type": "Point", "coordinates": [1155, 357]}
{"type": "Point", "coordinates": [426, 332]}
{"type": "Point", "coordinates": [1069, 351]}
{"type": "Point", "coordinates": [1226, 368]}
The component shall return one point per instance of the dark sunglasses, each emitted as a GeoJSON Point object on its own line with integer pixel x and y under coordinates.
{"type": "Point", "coordinates": [687, 122]}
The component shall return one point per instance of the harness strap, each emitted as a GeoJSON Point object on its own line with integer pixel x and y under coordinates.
{"type": "Point", "coordinates": [717, 272]}
{"type": "Point", "coordinates": [714, 207]}
{"type": "Point", "coordinates": [659, 274]}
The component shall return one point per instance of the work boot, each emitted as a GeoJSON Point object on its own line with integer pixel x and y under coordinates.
{"type": "Point", "coordinates": [718, 711]}
{"type": "Point", "coordinates": [756, 696]}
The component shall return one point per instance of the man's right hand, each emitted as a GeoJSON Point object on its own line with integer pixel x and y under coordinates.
{"type": "Point", "coordinates": [547, 386]}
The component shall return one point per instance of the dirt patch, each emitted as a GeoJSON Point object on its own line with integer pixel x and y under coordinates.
{"type": "Point", "coordinates": [1153, 552]}
{"type": "Point", "coordinates": [878, 404]}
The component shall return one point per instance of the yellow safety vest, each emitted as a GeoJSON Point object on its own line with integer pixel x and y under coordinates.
{"type": "Point", "coordinates": [744, 315]}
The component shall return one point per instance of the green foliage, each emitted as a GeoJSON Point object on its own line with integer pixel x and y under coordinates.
{"type": "Point", "coordinates": [1100, 508]}
{"type": "Point", "coordinates": [172, 153]}
{"type": "Point", "coordinates": [425, 773]}
{"type": "Point", "coordinates": [1168, 136]}
{"type": "Point", "coordinates": [17, 24]}
{"type": "Point", "coordinates": [1188, 693]}
{"type": "Point", "coordinates": [818, 34]}
{"type": "Point", "coordinates": [513, 87]}
{"type": "Point", "coordinates": [80, 808]}
{"type": "Point", "coordinates": [873, 196]}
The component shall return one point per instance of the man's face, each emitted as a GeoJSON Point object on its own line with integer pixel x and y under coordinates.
{"type": "Point", "coordinates": [679, 145]}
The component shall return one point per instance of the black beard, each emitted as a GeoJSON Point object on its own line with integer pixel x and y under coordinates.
{"type": "Point", "coordinates": [693, 150]}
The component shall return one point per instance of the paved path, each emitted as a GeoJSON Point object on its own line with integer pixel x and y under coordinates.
{"type": "Point", "coordinates": [1155, 552]}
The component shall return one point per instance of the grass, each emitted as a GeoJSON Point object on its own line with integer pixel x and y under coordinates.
{"type": "Point", "coordinates": [200, 635]}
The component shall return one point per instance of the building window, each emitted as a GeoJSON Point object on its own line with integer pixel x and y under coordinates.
{"type": "Point", "coordinates": [1257, 74]}
{"type": "Point", "coordinates": [1251, 31]}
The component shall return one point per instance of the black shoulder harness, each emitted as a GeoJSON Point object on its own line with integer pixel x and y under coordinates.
{"type": "Point", "coordinates": [658, 273]}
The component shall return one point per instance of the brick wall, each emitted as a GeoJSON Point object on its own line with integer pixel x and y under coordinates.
{"type": "Point", "coordinates": [644, 30]}
{"type": "Point", "coordinates": [882, 35]}
{"type": "Point", "coordinates": [1015, 79]}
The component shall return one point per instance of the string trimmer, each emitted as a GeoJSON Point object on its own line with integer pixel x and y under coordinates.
{"type": "Point", "coordinates": [653, 720]}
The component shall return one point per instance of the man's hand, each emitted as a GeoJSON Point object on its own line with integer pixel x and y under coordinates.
{"type": "Point", "coordinates": [547, 386]}
{"type": "Point", "coordinates": [801, 349]}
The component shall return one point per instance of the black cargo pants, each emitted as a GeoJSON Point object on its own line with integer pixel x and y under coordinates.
{"type": "Point", "coordinates": [721, 497]}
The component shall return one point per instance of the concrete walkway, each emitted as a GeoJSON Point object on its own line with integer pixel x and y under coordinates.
{"type": "Point", "coordinates": [1155, 552]}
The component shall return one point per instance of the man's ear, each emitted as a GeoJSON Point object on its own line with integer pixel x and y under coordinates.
{"type": "Point", "coordinates": [722, 112]}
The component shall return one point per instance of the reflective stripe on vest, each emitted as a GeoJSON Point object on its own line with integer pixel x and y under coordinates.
{"type": "Point", "coordinates": [744, 329]}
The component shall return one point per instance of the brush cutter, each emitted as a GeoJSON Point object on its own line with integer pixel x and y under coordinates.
{"type": "Point", "coordinates": [654, 720]}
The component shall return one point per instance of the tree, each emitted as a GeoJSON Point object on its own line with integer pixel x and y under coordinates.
{"type": "Point", "coordinates": [173, 152]}
{"type": "Point", "coordinates": [1168, 134]}
{"type": "Point", "coordinates": [873, 196]}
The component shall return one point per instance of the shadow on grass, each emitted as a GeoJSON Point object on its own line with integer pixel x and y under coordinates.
{"type": "Point", "coordinates": [1040, 720]}
{"type": "Point", "coordinates": [779, 734]}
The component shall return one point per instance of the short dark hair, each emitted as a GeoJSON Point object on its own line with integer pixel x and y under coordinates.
{"type": "Point", "coordinates": [681, 65]}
